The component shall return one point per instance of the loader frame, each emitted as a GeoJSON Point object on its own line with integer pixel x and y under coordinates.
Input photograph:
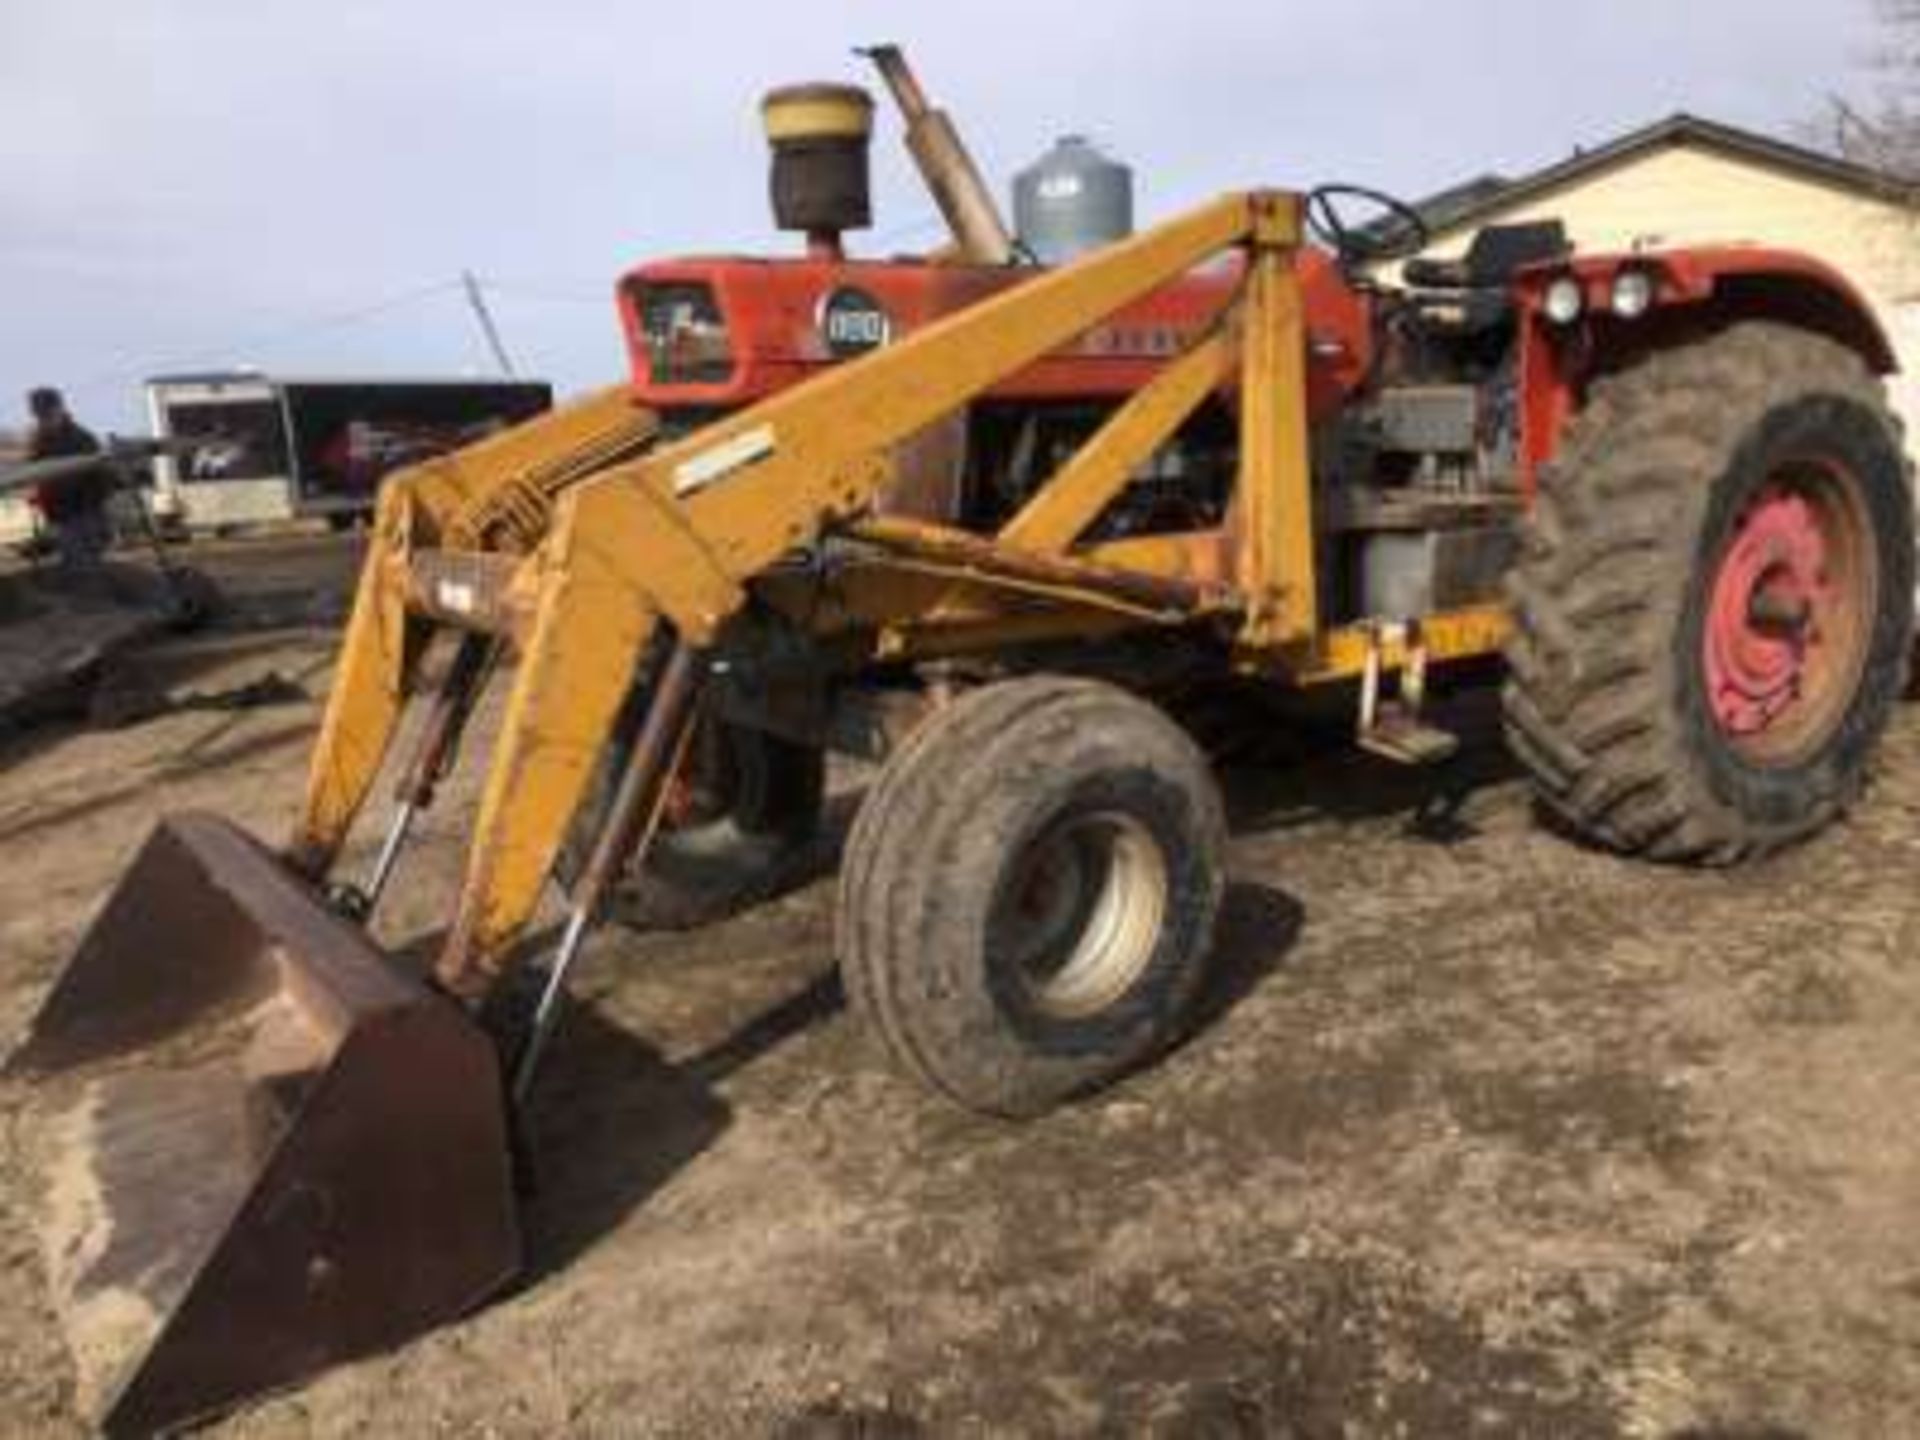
{"type": "Point", "coordinates": [582, 543]}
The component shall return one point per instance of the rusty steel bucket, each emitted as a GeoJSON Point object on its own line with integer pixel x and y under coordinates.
{"type": "Point", "coordinates": [266, 1147]}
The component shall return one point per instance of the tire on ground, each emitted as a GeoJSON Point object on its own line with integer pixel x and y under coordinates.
{"type": "Point", "coordinates": [750, 843]}
{"type": "Point", "coordinates": [1611, 701]}
{"type": "Point", "coordinates": [1028, 897]}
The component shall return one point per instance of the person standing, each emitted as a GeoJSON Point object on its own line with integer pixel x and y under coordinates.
{"type": "Point", "coordinates": [75, 506]}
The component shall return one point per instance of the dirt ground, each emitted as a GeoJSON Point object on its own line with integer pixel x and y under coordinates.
{"type": "Point", "coordinates": [1483, 1134]}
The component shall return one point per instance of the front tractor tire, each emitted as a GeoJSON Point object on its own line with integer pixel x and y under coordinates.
{"type": "Point", "coordinates": [1028, 898]}
{"type": "Point", "coordinates": [1715, 601]}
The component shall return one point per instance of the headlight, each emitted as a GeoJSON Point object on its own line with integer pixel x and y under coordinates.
{"type": "Point", "coordinates": [1565, 299]}
{"type": "Point", "coordinates": [684, 334]}
{"type": "Point", "coordinates": [1632, 294]}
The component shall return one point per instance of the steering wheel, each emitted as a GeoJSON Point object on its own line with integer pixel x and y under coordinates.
{"type": "Point", "coordinates": [1397, 233]}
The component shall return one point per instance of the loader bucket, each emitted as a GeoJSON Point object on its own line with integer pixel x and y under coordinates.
{"type": "Point", "coordinates": [267, 1148]}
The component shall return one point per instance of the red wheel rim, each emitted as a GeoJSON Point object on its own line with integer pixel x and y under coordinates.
{"type": "Point", "coordinates": [706, 784]}
{"type": "Point", "coordinates": [1788, 614]}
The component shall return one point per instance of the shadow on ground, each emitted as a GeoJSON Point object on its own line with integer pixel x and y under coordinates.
{"type": "Point", "coordinates": [1258, 928]}
{"type": "Point", "coordinates": [610, 1122]}
{"type": "Point", "coordinates": [205, 754]}
{"type": "Point", "coordinates": [1326, 778]}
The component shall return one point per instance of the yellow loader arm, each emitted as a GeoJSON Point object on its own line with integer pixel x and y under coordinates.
{"type": "Point", "coordinates": [671, 538]}
{"type": "Point", "coordinates": [495, 496]}
{"type": "Point", "coordinates": [286, 1149]}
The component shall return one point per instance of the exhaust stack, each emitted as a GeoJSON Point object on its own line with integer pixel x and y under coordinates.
{"type": "Point", "coordinates": [979, 231]}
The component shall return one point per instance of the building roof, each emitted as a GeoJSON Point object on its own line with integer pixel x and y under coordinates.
{"type": "Point", "coordinates": [1464, 204]}
{"type": "Point", "coordinates": [1446, 208]}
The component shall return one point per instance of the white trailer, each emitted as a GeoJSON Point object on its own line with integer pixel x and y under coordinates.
{"type": "Point", "coordinates": [19, 521]}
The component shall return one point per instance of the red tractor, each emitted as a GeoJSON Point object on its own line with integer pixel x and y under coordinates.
{"type": "Point", "coordinates": [1676, 471]}
{"type": "Point", "coordinates": [992, 525]}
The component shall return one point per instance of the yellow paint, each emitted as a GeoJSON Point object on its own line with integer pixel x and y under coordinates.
{"type": "Point", "coordinates": [1341, 653]}
{"type": "Point", "coordinates": [1274, 499]}
{"type": "Point", "coordinates": [1206, 556]}
{"type": "Point", "coordinates": [589, 632]}
{"type": "Point", "coordinates": [615, 536]}
{"type": "Point", "coordinates": [496, 494]}
{"type": "Point", "coordinates": [677, 533]}
{"type": "Point", "coordinates": [817, 112]}
{"type": "Point", "coordinates": [377, 658]}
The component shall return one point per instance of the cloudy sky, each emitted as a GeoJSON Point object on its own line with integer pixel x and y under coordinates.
{"type": "Point", "coordinates": [297, 186]}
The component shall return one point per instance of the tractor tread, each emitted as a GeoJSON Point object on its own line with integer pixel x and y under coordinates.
{"type": "Point", "coordinates": [1593, 703]}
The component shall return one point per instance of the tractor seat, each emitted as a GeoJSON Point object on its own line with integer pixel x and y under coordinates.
{"type": "Point", "coordinates": [1496, 253]}
{"type": "Point", "coordinates": [1469, 296]}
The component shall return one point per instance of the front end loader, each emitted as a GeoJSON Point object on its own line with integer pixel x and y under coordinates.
{"type": "Point", "coordinates": [998, 550]}
{"type": "Point", "coordinates": [268, 1145]}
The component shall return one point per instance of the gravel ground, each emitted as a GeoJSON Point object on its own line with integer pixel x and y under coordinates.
{"type": "Point", "coordinates": [1483, 1134]}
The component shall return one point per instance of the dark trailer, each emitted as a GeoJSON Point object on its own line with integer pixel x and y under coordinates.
{"type": "Point", "coordinates": [273, 448]}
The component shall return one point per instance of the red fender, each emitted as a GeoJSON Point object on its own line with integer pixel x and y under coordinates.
{"type": "Point", "coordinates": [1696, 291]}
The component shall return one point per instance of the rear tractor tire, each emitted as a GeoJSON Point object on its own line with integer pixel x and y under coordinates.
{"type": "Point", "coordinates": [741, 820]}
{"type": "Point", "coordinates": [1029, 893]}
{"type": "Point", "coordinates": [1714, 604]}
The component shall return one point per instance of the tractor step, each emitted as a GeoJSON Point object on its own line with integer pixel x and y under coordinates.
{"type": "Point", "coordinates": [1390, 726]}
{"type": "Point", "coordinates": [1400, 736]}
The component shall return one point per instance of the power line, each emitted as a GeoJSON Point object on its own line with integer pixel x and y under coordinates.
{"type": "Point", "coordinates": [893, 234]}
{"type": "Point", "coordinates": [129, 373]}
{"type": "Point", "coordinates": [540, 293]}
{"type": "Point", "coordinates": [570, 288]}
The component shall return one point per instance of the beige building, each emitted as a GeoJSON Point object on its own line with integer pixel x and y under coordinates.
{"type": "Point", "coordinates": [1689, 181]}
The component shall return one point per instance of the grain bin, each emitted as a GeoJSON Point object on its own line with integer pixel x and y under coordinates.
{"type": "Point", "coordinates": [1071, 200]}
